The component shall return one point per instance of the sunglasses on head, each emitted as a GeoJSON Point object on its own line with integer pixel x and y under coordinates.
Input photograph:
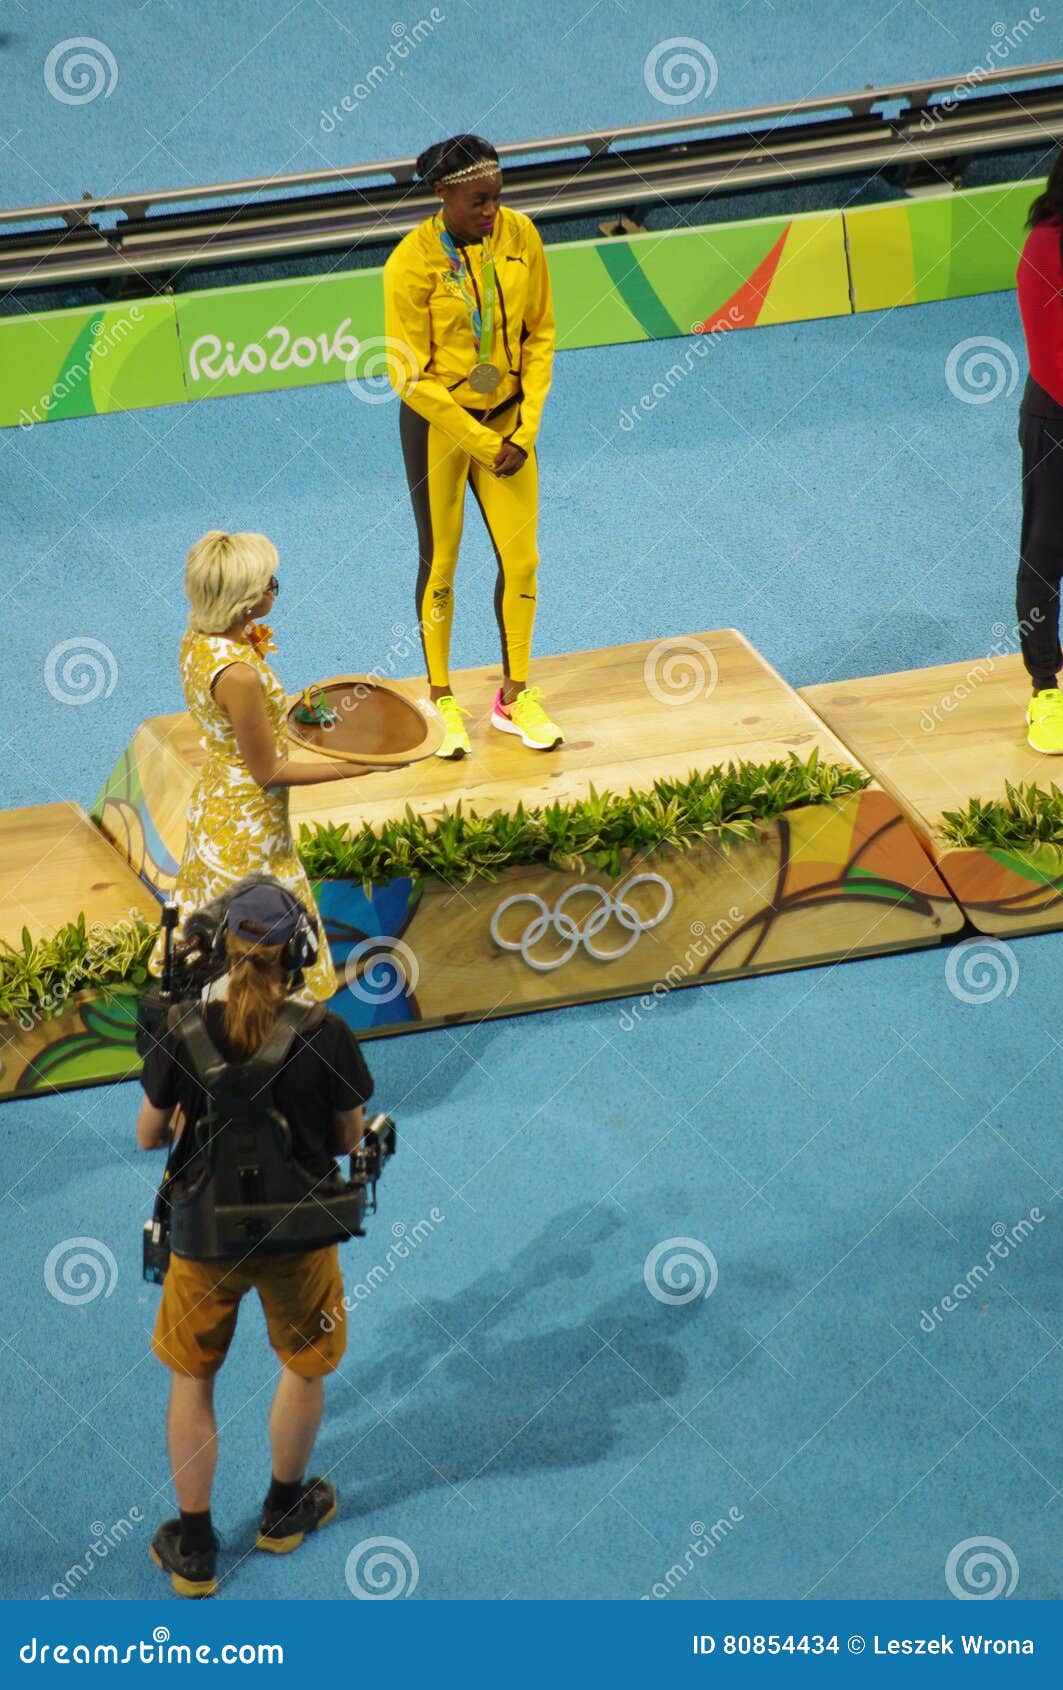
{"type": "Point", "coordinates": [273, 586]}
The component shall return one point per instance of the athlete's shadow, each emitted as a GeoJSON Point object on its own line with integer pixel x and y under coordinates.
{"type": "Point", "coordinates": [503, 1401]}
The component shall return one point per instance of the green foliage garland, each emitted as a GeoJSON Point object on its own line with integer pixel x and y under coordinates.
{"type": "Point", "coordinates": [725, 805]}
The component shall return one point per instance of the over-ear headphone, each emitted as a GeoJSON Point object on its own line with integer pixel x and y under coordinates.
{"type": "Point", "coordinates": [300, 948]}
{"type": "Point", "coordinates": [300, 951]}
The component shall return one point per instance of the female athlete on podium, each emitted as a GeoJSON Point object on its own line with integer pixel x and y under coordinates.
{"type": "Point", "coordinates": [470, 327]}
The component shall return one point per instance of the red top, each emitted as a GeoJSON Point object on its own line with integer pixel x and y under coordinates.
{"type": "Point", "coordinates": [1039, 280]}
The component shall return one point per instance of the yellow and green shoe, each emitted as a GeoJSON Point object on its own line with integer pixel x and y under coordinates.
{"type": "Point", "coordinates": [525, 716]}
{"type": "Point", "coordinates": [455, 739]}
{"type": "Point", "coordinates": [1044, 716]}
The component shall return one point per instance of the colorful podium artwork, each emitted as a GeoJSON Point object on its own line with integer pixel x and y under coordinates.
{"type": "Point", "coordinates": [54, 866]}
{"type": "Point", "coordinates": [936, 738]}
{"type": "Point", "coordinates": [819, 883]}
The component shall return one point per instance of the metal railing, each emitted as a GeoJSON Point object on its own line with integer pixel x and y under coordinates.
{"type": "Point", "coordinates": [770, 145]}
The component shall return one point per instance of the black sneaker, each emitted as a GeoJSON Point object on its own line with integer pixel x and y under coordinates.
{"type": "Point", "coordinates": [191, 1575]}
{"type": "Point", "coordinates": [282, 1531]}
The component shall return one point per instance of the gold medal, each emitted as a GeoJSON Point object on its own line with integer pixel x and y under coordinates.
{"type": "Point", "coordinates": [484, 378]}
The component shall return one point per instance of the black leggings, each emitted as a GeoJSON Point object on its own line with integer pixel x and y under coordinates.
{"type": "Point", "coordinates": [437, 472]}
{"type": "Point", "coordinates": [1041, 548]}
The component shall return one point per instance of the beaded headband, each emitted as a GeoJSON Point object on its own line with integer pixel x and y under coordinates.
{"type": "Point", "coordinates": [482, 167]}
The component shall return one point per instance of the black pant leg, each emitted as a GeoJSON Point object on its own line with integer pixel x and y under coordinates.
{"type": "Point", "coordinates": [1041, 547]}
{"type": "Point", "coordinates": [413, 435]}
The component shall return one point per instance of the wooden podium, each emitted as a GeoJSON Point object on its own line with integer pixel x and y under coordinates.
{"type": "Point", "coordinates": [54, 866]}
{"type": "Point", "coordinates": [818, 884]}
{"type": "Point", "coordinates": [935, 738]}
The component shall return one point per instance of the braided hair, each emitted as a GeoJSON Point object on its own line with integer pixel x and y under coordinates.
{"type": "Point", "coordinates": [457, 153]}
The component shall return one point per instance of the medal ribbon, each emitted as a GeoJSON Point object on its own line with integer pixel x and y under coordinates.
{"type": "Point", "coordinates": [483, 330]}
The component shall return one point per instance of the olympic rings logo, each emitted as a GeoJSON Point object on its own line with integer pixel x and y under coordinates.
{"type": "Point", "coordinates": [573, 933]}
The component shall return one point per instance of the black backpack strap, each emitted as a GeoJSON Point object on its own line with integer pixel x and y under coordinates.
{"type": "Point", "coordinates": [292, 1019]}
{"type": "Point", "coordinates": [211, 1068]}
{"type": "Point", "coordinates": [208, 1064]}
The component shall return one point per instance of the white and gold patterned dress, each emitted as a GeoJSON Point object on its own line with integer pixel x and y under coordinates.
{"type": "Point", "coordinates": [235, 826]}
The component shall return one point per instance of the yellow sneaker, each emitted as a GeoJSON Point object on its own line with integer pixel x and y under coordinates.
{"type": "Point", "coordinates": [526, 717]}
{"type": "Point", "coordinates": [1044, 715]}
{"type": "Point", "coordinates": [455, 739]}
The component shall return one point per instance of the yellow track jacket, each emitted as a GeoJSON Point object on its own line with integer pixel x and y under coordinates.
{"type": "Point", "coordinates": [433, 348]}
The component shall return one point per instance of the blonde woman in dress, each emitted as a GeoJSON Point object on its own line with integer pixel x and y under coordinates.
{"type": "Point", "coordinates": [238, 812]}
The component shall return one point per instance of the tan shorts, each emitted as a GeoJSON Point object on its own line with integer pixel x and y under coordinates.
{"type": "Point", "coordinates": [302, 1300]}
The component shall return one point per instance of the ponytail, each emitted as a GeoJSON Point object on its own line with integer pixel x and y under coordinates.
{"type": "Point", "coordinates": [257, 988]}
{"type": "Point", "coordinates": [1049, 203]}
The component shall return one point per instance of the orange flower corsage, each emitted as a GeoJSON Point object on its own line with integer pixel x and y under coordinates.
{"type": "Point", "coordinates": [261, 637]}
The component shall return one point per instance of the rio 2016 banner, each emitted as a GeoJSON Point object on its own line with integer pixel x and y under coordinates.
{"type": "Point", "coordinates": [686, 281]}
{"type": "Point", "coordinates": [282, 334]}
{"type": "Point", "coordinates": [678, 283]}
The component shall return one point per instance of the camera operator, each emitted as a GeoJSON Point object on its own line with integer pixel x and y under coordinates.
{"type": "Point", "coordinates": [319, 1089]}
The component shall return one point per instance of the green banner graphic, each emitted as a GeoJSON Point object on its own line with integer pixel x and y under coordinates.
{"type": "Point", "coordinates": [283, 334]}
{"type": "Point", "coordinates": [942, 247]}
{"type": "Point", "coordinates": [676, 283]}
{"type": "Point", "coordinates": [88, 360]}
{"type": "Point", "coordinates": [293, 334]}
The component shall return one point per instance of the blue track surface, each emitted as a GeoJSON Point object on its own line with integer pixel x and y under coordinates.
{"type": "Point", "coordinates": [515, 1406]}
{"type": "Point", "coordinates": [211, 93]}
{"type": "Point", "coordinates": [244, 92]}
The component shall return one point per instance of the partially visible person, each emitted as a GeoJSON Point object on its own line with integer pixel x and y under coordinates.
{"type": "Point", "coordinates": [1040, 288]}
{"type": "Point", "coordinates": [238, 813]}
{"type": "Point", "coordinates": [319, 1089]}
